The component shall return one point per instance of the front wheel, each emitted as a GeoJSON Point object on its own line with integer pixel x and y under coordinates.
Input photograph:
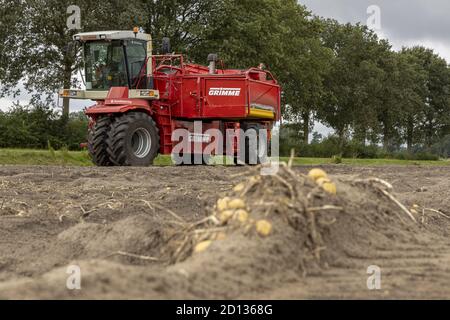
{"type": "Point", "coordinates": [133, 140]}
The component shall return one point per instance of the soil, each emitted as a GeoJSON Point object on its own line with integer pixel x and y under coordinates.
{"type": "Point", "coordinates": [125, 227]}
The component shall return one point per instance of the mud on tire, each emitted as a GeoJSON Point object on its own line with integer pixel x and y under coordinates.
{"type": "Point", "coordinates": [97, 146]}
{"type": "Point", "coordinates": [133, 140]}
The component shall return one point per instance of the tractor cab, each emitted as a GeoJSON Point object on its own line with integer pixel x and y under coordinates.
{"type": "Point", "coordinates": [116, 59]}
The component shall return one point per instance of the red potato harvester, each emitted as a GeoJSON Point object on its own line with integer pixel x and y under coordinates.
{"type": "Point", "coordinates": [141, 99]}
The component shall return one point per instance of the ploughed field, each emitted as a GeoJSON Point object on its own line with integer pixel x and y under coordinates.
{"type": "Point", "coordinates": [159, 233]}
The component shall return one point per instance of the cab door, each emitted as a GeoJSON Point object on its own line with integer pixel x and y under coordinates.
{"type": "Point", "coordinates": [136, 57]}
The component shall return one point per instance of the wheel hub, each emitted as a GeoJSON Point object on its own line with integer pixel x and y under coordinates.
{"type": "Point", "coordinates": [141, 143]}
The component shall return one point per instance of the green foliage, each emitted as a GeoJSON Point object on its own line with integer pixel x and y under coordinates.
{"type": "Point", "coordinates": [442, 147]}
{"type": "Point", "coordinates": [185, 22]}
{"type": "Point", "coordinates": [334, 148]}
{"type": "Point", "coordinates": [41, 127]}
{"type": "Point", "coordinates": [421, 156]}
{"type": "Point", "coordinates": [336, 159]}
{"type": "Point", "coordinates": [51, 150]}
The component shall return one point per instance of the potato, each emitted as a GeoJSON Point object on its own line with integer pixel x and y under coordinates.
{"type": "Point", "coordinates": [329, 187]}
{"type": "Point", "coordinates": [222, 204]}
{"type": "Point", "coordinates": [315, 174]}
{"type": "Point", "coordinates": [236, 204]}
{"type": "Point", "coordinates": [226, 215]}
{"type": "Point", "coordinates": [264, 228]}
{"type": "Point", "coordinates": [254, 179]}
{"type": "Point", "coordinates": [202, 246]}
{"type": "Point", "coordinates": [239, 188]}
{"type": "Point", "coordinates": [321, 181]}
{"type": "Point", "coordinates": [241, 215]}
{"type": "Point", "coordinates": [221, 236]}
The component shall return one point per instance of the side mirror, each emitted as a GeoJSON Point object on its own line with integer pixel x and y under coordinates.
{"type": "Point", "coordinates": [166, 45]}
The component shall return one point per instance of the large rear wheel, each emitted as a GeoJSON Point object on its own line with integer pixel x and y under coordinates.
{"type": "Point", "coordinates": [133, 140]}
{"type": "Point", "coordinates": [97, 136]}
{"type": "Point", "coordinates": [255, 149]}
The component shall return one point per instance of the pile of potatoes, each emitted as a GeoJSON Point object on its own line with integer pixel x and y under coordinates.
{"type": "Point", "coordinates": [230, 210]}
{"type": "Point", "coordinates": [234, 211]}
{"type": "Point", "coordinates": [320, 177]}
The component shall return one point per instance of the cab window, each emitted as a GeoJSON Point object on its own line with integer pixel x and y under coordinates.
{"type": "Point", "coordinates": [136, 55]}
{"type": "Point", "coordinates": [105, 65]}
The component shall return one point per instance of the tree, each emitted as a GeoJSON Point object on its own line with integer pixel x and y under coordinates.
{"type": "Point", "coordinates": [281, 34]}
{"type": "Point", "coordinates": [244, 33]}
{"type": "Point", "coordinates": [350, 83]}
{"type": "Point", "coordinates": [431, 115]}
{"type": "Point", "coordinates": [10, 48]}
{"type": "Point", "coordinates": [385, 98]}
{"type": "Point", "coordinates": [42, 54]}
{"type": "Point", "coordinates": [305, 62]}
{"type": "Point", "coordinates": [185, 22]}
{"type": "Point", "coordinates": [411, 90]}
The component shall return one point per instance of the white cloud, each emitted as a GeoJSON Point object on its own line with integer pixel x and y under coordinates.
{"type": "Point", "coordinates": [322, 129]}
{"type": "Point", "coordinates": [24, 99]}
{"type": "Point", "coordinates": [75, 105]}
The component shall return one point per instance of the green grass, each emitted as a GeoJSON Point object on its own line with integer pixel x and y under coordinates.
{"type": "Point", "coordinates": [81, 158]}
{"type": "Point", "coordinates": [44, 157]}
{"type": "Point", "coordinates": [366, 162]}
{"type": "Point", "coordinates": [163, 161]}
{"type": "Point", "coordinates": [56, 158]}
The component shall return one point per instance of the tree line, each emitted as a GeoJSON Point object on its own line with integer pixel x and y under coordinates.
{"type": "Point", "coordinates": [342, 75]}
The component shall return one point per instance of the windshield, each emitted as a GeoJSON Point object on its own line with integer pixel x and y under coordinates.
{"type": "Point", "coordinates": [105, 65]}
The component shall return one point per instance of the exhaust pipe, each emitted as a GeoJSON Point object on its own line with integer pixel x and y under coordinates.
{"type": "Point", "coordinates": [212, 59]}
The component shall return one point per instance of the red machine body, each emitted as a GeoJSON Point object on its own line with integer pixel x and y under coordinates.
{"type": "Point", "coordinates": [189, 92]}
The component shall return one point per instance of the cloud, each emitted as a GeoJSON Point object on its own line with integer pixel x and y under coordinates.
{"type": "Point", "coordinates": [24, 99]}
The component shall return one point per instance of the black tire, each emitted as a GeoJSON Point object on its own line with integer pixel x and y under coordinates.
{"type": "Point", "coordinates": [133, 140]}
{"type": "Point", "coordinates": [252, 154]}
{"type": "Point", "coordinates": [97, 146]}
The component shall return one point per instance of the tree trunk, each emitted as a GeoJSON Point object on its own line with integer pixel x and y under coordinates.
{"type": "Point", "coordinates": [386, 138]}
{"type": "Point", "coordinates": [306, 121]}
{"type": "Point", "coordinates": [361, 135]}
{"type": "Point", "coordinates": [430, 132]}
{"type": "Point", "coordinates": [67, 84]}
{"type": "Point", "coordinates": [342, 135]}
{"type": "Point", "coordinates": [409, 134]}
{"type": "Point", "coordinates": [66, 107]}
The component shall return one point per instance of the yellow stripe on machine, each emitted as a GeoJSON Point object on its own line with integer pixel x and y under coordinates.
{"type": "Point", "coordinates": [259, 113]}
